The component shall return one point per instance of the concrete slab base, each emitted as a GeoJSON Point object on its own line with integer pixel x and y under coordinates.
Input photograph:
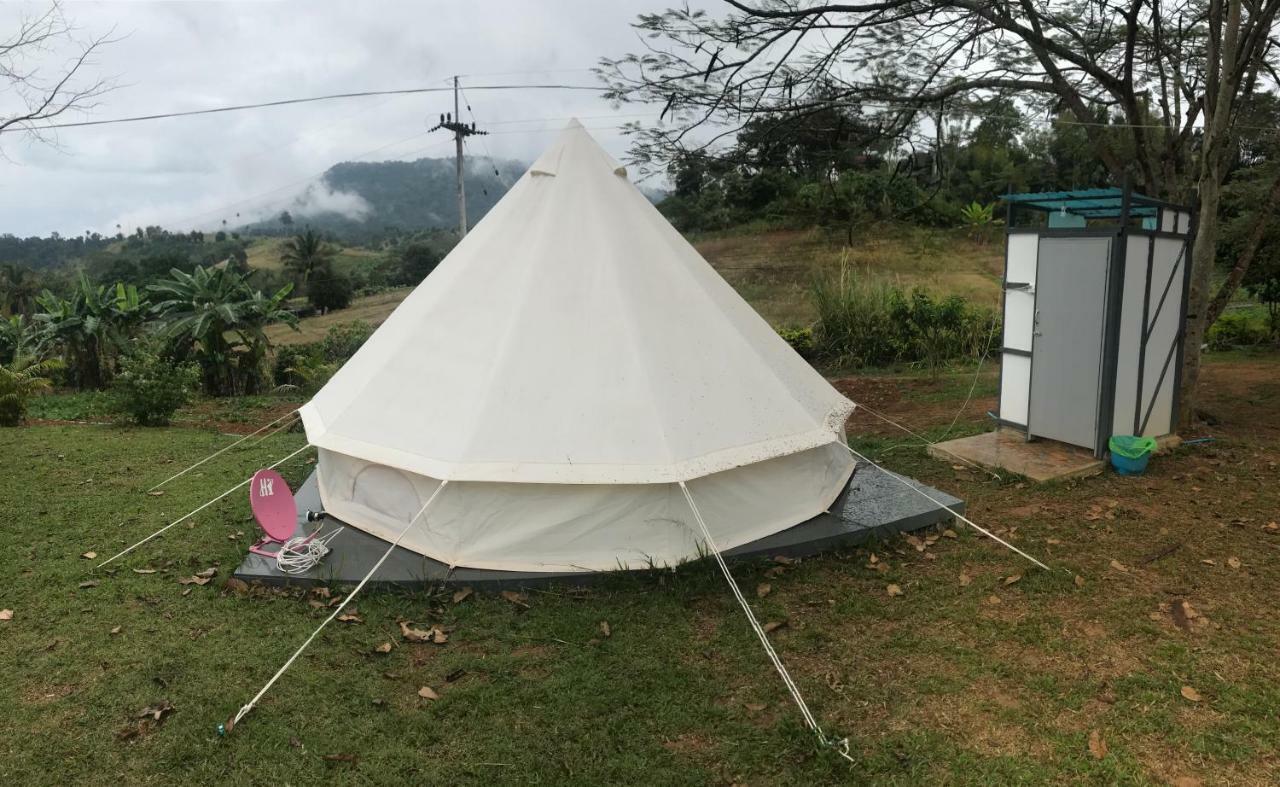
{"type": "Point", "coordinates": [1008, 449]}
{"type": "Point", "coordinates": [873, 505]}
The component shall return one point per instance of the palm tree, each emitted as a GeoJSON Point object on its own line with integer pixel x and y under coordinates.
{"type": "Point", "coordinates": [305, 253]}
{"type": "Point", "coordinates": [19, 381]}
{"type": "Point", "coordinates": [15, 336]}
{"type": "Point", "coordinates": [213, 314]}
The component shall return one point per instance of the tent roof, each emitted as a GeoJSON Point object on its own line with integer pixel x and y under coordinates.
{"type": "Point", "coordinates": [574, 336]}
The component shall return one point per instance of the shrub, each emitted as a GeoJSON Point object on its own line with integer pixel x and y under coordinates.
{"type": "Point", "coordinates": [1237, 330]}
{"type": "Point", "coordinates": [800, 339]}
{"type": "Point", "coordinates": [871, 323]}
{"type": "Point", "coordinates": [150, 389]}
{"type": "Point", "coordinates": [342, 340]}
{"type": "Point", "coordinates": [19, 381]}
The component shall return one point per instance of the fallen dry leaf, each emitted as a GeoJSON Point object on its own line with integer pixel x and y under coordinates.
{"type": "Point", "coordinates": [893, 590]}
{"type": "Point", "coordinates": [755, 707]}
{"type": "Point", "coordinates": [157, 493]}
{"type": "Point", "coordinates": [383, 648]}
{"type": "Point", "coordinates": [461, 595]}
{"type": "Point", "coordinates": [144, 570]}
{"type": "Point", "coordinates": [1052, 541]}
{"type": "Point", "coordinates": [873, 559]}
{"type": "Point", "coordinates": [1233, 562]}
{"type": "Point", "coordinates": [1187, 781]}
{"type": "Point", "coordinates": [1097, 746]}
{"type": "Point", "coordinates": [117, 629]}
{"type": "Point", "coordinates": [519, 599]}
{"type": "Point", "coordinates": [605, 631]}
{"type": "Point", "coordinates": [915, 542]}
{"type": "Point", "coordinates": [196, 580]}
{"type": "Point", "coordinates": [158, 711]}
{"type": "Point", "coordinates": [237, 586]}
{"type": "Point", "coordinates": [993, 600]}
{"type": "Point", "coordinates": [208, 573]}
{"type": "Point", "coordinates": [1079, 580]}
{"type": "Point", "coordinates": [413, 634]}
{"type": "Point", "coordinates": [1271, 527]}
{"type": "Point", "coordinates": [965, 579]}
{"type": "Point", "coordinates": [1209, 561]}
{"type": "Point", "coordinates": [320, 591]}
{"type": "Point", "coordinates": [89, 555]}
{"type": "Point", "coordinates": [774, 625]}
{"type": "Point", "coordinates": [1191, 694]}
{"type": "Point", "coordinates": [783, 560]}
{"type": "Point", "coordinates": [1118, 566]}
{"type": "Point", "coordinates": [763, 589]}
{"type": "Point", "coordinates": [1012, 578]}
{"type": "Point", "coordinates": [89, 583]}
{"type": "Point", "coordinates": [949, 533]}
{"type": "Point", "coordinates": [350, 617]}
{"type": "Point", "coordinates": [6, 614]}
{"type": "Point", "coordinates": [1183, 613]}
{"type": "Point", "coordinates": [428, 693]}
{"type": "Point", "coordinates": [438, 636]}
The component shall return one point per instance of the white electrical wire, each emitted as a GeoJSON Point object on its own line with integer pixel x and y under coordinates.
{"type": "Point", "coordinates": [300, 554]}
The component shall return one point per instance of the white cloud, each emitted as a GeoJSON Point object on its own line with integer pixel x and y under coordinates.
{"type": "Point", "coordinates": [197, 171]}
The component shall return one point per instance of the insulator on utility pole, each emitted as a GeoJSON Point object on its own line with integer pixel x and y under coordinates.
{"type": "Point", "coordinates": [460, 130]}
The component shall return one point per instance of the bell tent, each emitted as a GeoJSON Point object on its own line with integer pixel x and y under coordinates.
{"type": "Point", "coordinates": [564, 369]}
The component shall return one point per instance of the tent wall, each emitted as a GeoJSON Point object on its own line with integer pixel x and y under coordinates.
{"type": "Point", "coordinates": [583, 527]}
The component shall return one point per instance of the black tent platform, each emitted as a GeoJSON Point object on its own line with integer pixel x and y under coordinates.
{"type": "Point", "coordinates": [873, 506]}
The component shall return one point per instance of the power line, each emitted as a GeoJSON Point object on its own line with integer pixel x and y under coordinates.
{"type": "Point", "coordinates": [291, 101]}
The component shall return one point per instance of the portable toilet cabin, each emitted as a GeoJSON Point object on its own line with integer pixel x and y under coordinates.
{"type": "Point", "coordinates": [1095, 297]}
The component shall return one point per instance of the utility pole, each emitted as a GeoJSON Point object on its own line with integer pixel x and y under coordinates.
{"type": "Point", "coordinates": [453, 122]}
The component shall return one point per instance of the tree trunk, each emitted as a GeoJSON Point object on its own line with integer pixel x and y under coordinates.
{"type": "Point", "coordinates": [1262, 218]}
{"type": "Point", "coordinates": [1197, 325]}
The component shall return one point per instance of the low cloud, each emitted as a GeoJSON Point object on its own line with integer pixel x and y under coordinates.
{"type": "Point", "coordinates": [318, 199]}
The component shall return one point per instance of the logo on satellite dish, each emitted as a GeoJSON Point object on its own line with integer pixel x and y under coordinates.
{"type": "Point", "coordinates": [265, 486]}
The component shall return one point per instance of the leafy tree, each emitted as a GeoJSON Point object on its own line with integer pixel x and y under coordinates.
{"type": "Point", "coordinates": [306, 252]}
{"type": "Point", "coordinates": [286, 219]}
{"type": "Point", "coordinates": [1172, 82]}
{"type": "Point", "coordinates": [329, 289]}
{"type": "Point", "coordinates": [18, 289]}
{"type": "Point", "coordinates": [19, 381]}
{"type": "Point", "coordinates": [213, 316]}
{"type": "Point", "coordinates": [416, 262]}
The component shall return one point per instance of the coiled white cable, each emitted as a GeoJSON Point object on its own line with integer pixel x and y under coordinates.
{"type": "Point", "coordinates": [300, 554]}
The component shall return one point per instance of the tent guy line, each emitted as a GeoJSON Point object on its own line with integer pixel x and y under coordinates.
{"type": "Point", "coordinates": [925, 440]}
{"type": "Point", "coordinates": [187, 516]}
{"type": "Point", "coordinates": [248, 706]}
{"type": "Point", "coordinates": [839, 745]}
{"type": "Point", "coordinates": [954, 513]}
{"type": "Point", "coordinates": [222, 450]}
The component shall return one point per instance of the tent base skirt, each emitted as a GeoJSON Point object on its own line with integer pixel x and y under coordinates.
{"type": "Point", "coordinates": [871, 507]}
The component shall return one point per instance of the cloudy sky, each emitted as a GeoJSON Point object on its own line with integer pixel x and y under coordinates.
{"type": "Point", "coordinates": [194, 172]}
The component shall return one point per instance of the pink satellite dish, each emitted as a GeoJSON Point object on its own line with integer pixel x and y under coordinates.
{"type": "Point", "coordinates": [274, 509]}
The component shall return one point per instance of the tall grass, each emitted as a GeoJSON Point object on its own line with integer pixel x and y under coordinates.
{"type": "Point", "coordinates": [865, 321]}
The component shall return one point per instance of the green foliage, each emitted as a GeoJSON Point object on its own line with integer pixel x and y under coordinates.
{"type": "Point", "coordinates": [89, 328]}
{"type": "Point", "coordinates": [307, 253]}
{"type": "Point", "coordinates": [214, 317]}
{"type": "Point", "coordinates": [19, 381]}
{"type": "Point", "coordinates": [871, 323]}
{"type": "Point", "coordinates": [329, 289]}
{"type": "Point", "coordinates": [149, 389]}
{"type": "Point", "coordinates": [341, 341]}
{"type": "Point", "coordinates": [978, 218]}
{"type": "Point", "coordinates": [800, 339]}
{"type": "Point", "coordinates": [16, 338]}
{"type": "Point", "coordinates": [309, 366]}
{"type": "Point", "coordinates": [1238, 329]}
{"type": "Point", "coordinates": [417, 260]}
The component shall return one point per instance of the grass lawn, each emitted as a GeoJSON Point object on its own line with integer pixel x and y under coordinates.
{"type": "Point", "coordinates": [968, 677]}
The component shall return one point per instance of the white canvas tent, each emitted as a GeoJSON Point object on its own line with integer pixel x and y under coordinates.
{"type": "Point", "coordinates": [564, 368]}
